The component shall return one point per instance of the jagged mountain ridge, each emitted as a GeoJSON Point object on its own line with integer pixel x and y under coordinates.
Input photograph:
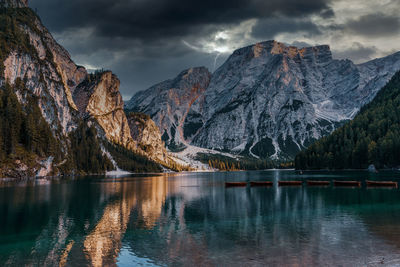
{"type": "Point", "coordinates": [66, 93]}
{"type": "Point", "coordinates": [270, 99]}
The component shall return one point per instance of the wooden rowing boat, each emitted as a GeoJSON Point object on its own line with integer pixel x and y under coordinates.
{"type": "Point", "coordinates": [347, 183]}
{"type": "Point", "coordinates": [290, 183]}
{"type": "Point", "coordinates": [381, 184]}
{"type": "Point", "coordinates": [318, 183]}
{"type": "Point", "coordinates": [261, 183]}
{"type": "Point", "coordinates": [235, 184]}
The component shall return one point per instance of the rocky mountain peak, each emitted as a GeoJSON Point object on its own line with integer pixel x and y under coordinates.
{"type": "Point", "coordinates": [267, 100]}
{"type": "Point", "coordinates": [98, 97]}
{"type": "Point", "coordinates": [320, 53]}
{"type": "Point", "coordinates": [14, 3]}
{"type": "Point", "coordinates": [99, 94]}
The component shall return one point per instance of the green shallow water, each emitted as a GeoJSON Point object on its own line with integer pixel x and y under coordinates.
{"type": "Point", "coordinates": [192, 219]}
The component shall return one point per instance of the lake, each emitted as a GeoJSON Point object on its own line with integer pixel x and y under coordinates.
{"type": "Point", "coordinates": [191, 219]}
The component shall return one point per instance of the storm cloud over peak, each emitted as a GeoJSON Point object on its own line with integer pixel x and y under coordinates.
{"type": "Point", "coordinates": [146, 41]}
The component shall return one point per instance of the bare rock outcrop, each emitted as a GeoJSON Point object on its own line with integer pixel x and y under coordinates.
{"type": "Point", "coordinates": [147, 134]}
{"type": "Point", "coordinates": [99, 98]}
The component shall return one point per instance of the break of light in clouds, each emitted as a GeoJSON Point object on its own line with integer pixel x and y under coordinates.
{"type": "Point", "coordinates": [145, 42]}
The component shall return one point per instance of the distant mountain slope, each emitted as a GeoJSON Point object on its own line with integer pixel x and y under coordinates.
{"type": "Point", "coordinates": [372, 137]}
{"type": "Point", "coordinates": [269, 100]}
{"type": "Point", "coordinates": [169, 102]}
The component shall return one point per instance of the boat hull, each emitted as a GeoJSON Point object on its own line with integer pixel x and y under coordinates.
{"type": "Point", "coordinates": [235, 184]}
{"type": "Point", "coordinates": [290, 183]}
{"type": "Point", "coordinates": [347, 183]}
{"type": "Point", "coordinates": [264, 183]}
{"type": "Point", "coordinates": [318, 183]}
{"type": "Point", "coordinates": [381, 184]}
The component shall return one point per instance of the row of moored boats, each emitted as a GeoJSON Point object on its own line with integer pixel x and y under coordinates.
{"type": "Point", "coordinates": [315, 183]}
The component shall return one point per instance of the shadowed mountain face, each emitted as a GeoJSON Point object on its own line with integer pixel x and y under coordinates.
{"type": "Point", "coordinates": [268, 100]}
{"type": "Point", "coordinates": [169, 104]}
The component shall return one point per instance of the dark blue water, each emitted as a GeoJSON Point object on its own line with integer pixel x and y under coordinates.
{"type": "Point", "coordinates": [192, 219]}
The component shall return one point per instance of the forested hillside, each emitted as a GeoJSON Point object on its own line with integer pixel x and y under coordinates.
{"type": "Point", "coordinates": [24, 134]}
{"type": "Point", "coordinates": [372, 137]}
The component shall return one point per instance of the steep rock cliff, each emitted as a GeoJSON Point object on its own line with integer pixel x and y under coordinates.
{"type": "Point", "coordinates": [98, 97]}
{"type": "Point", "coordinates": [146, 133]}
{"type": "Point", "coordinates": [168, 103]}
{"type": "Point", "coordinates": [32, 55]}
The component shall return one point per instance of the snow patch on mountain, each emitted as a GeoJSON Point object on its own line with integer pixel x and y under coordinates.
{"type": "Point", "coordinates": [188, 157]}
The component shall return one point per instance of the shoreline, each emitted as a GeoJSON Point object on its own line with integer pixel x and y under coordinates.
{"type": "Point", "coordinates": [117, 174]}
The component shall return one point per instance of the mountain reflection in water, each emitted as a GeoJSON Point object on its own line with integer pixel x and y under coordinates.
{"type": "Point", "coordinates": [192, 219]}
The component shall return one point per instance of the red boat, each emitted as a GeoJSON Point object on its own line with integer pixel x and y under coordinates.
{"type": "Point", "coordinates": [381, 184]}
{"type": "Point", "coordinates": [262, 183]}
{"type": "Point", "coordinates": [347, 183]}
{"type": "Point", "coordinates": [290, 183]}
{"type": "Point", "coordinates": [318, 183]}
{"type": "Point", "coordinates": [235, 184]}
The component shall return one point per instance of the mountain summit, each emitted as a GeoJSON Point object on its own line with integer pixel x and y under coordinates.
{"type": "Point", "coordinates": [270, 100]}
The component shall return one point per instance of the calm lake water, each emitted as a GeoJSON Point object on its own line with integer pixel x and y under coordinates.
{"type": "Point", "coordinates": [193, 220]}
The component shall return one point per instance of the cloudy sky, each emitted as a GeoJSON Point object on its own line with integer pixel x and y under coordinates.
{"type": "Point", "coordinates": [147, 41]}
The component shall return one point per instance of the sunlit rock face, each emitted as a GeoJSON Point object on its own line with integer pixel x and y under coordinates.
{"type": "Point", "coordinates": [99, 98]}
{"type": "Point", "coordinates": [169, 102]}
{"type": "Point", "coordinates": [147, 134]}
{"type": "Point", "coordinates": [271, 100]}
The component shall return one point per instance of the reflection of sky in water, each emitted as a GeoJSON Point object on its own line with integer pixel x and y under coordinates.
{"type": "Point", "coordinates": [128, 258]}
{"type": "Point", "coordinates": [192, 219]}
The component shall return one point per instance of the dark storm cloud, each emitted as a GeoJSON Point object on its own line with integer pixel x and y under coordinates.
{"type": "Point", "coordinates": [270, 27]}
{"type": "Point", "coordinates": [152, 19]}
{"type": "Point", "coordinates": [142, 40]}
{"type": "Point", "coordinates": [300, 44]}
{"type": "Point", "coordinates": [375, 25]}
{"type": "Point", "coordinates": [357, 52]}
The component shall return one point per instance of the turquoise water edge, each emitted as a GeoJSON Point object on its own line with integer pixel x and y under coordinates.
{"type": "Point", "coordinates": [193, 219]}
